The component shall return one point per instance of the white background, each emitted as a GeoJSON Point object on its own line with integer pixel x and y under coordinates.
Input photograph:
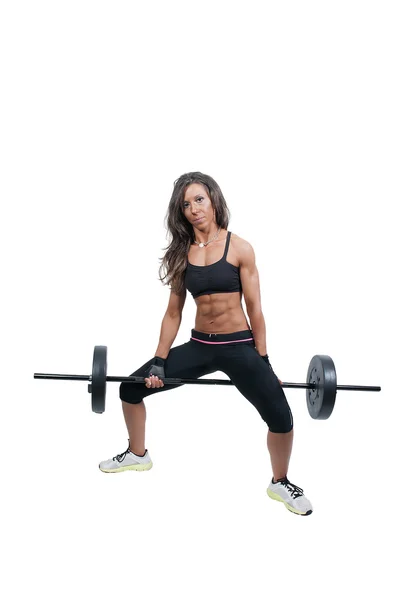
{"type": "Point", "coordinates": [292, 108]}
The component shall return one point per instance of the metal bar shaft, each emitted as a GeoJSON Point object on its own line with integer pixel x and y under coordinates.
{"type": "Point", "coordinates": [177, 381]}
{"type": "Point", "coordinates": [360, 388]}
{"type": "Point", "coordinates": [56, 376]}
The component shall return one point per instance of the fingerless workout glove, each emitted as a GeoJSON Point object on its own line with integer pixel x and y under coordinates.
{"type": "Point", "coordinates": [266, 359]}
{"type": "Point", "coordinates": [156, 368]}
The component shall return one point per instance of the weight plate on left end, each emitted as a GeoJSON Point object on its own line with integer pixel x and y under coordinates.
{"type": "Point", "coordinates": [98, 381]}
{"type": "Point", "coordinates": [321, 374]}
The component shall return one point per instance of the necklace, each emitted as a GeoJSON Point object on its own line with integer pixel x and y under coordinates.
{"type": "Point", "coordinates": [202, 244]}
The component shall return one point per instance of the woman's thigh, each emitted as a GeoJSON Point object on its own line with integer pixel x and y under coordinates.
{"type": "Point", "coordinates": [258, 383]}
{"type": "Point", "coordinates": [188, 361]}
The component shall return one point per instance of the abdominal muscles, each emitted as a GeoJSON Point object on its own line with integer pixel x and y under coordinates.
{"type": "Point", "coordinates": [220, 313]}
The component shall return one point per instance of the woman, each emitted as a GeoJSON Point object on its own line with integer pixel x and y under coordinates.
{"type": "Point", "coordinates": [216, 267]}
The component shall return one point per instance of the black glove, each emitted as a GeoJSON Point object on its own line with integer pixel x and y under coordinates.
{"type": "Point", "coordinates": [156, 368]}
{"type": "Point", "coordinates": [266, 359]}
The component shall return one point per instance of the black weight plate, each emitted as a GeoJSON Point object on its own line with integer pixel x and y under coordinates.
{"type": "Point", "coordinates": [321, 399]}
{"type": "Point", "coordinates": [98, 382]}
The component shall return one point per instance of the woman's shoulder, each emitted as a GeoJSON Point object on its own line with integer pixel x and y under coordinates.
{"type": "Point", "coordinates": [241, 247]}
{"type": "Point", "coordinates": [240, 243]}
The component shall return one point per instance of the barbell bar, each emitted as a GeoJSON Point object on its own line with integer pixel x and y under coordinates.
{"type": "Point", "coordinates": [321, 386]}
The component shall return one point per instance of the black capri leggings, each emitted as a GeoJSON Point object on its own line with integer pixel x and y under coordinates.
{"type": "Point", "coordinates": [236, 356]}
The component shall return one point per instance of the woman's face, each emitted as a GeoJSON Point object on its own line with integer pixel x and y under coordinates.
{"type": "Point", "coordinates": [197, 206]}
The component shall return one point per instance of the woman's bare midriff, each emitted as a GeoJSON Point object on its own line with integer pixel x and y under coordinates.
{"type": "Point", "coordinates": [220, 313]}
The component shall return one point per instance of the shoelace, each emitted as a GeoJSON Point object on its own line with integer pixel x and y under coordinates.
{"type": "Point", "coordinates": [294, 490]}
{"type": "Point", "coordinates": [122, 456]}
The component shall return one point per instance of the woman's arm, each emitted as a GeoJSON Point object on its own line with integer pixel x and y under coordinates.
{"type": "Point", "coordinates": [251, 291]}
{"type": "Point", "coordinates": [170, 324]}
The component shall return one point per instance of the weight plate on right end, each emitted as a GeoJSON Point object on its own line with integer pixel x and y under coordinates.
{"type": "Point", "coordinates": [322, 376]}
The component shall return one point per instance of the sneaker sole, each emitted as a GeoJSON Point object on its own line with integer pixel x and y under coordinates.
{"type": "Point", "coordinates": [279, 499]}
{"type": "Point", "coordinates": [144, 467]}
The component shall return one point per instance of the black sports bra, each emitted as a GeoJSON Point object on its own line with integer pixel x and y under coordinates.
{"type": "Point", "coordinates": [218, 278]}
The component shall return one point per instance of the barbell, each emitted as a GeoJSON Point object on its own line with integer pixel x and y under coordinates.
{"type": "Point", "coordinates": [321, 386]}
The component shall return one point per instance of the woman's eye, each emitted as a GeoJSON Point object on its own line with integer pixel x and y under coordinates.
{"type": "Point", "coordinates": [186, 204]}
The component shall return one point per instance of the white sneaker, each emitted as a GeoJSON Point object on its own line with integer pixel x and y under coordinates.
{"type": "Point", "coordinates": [291, 495]}
{"type": "Point", "coordinates": [127, 461]}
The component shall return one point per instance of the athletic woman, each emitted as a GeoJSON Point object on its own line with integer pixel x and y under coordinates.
{"type": "Point", "coordinates": [216, 267]}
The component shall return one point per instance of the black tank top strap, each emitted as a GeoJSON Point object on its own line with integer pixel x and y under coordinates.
{"type": "Point", "coordinates": [227, 245]}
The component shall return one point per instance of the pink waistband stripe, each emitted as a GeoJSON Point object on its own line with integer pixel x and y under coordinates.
{"type": "Point", "coordinates": [230, 342]}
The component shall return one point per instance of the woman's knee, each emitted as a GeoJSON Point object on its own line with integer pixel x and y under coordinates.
{"type": "Point", "coordinates": [280, 427]}
{"type": "Point", "coordinates": [130, 393]}
{"type": "Point", "coordinates": [279, 420]}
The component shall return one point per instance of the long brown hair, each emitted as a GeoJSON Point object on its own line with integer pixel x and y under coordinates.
{"type": "Point", "coordinates": [174, 262]}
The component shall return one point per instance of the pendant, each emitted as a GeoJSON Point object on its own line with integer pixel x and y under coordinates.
{"type": "Point", "coordinates": [201, 245]}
